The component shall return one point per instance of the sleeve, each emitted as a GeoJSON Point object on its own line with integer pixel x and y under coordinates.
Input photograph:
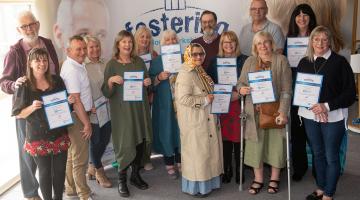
{"type": "Point", "coordinates": [153, 70]}
{"type": "Point", "coordinates": [243, 80]}
{"type": "Point", "coordinates": [279, 37]}
{"type": "Point", "coordinates": [184, 92]}
{"type": "Point", "coordinates": [72, 81]}
{"type": "Point", "coordinates": [105, 87]}
{"type": "Point", "coordinates": [7, 80]}
{"type": "Point", "coordinates": [286, 86]}
{"type": "Point", "coordinates": [20, 100]}
{"type": "Point", "coordinates": [212, 70]}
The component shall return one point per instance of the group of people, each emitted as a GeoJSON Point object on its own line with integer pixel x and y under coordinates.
{"type": "Point", "coordinates": [174, 117]}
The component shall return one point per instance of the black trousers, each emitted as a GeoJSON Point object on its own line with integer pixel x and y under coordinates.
{"type": "Point", "coordinates": [52, 175]}
{"type": "Point", "coordinates": [171, 160]}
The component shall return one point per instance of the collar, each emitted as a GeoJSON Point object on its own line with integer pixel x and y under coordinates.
{"type": "Point", "coordinates": [73, 62]}
{"type": "Point", "coordinates": [88, 61]}
{"type": "Point", "coordinates": [326, 55]}
{"type": "Point", "coordinates": [267, 22]}
{"type": "Point", "coordinates": [27, 48]}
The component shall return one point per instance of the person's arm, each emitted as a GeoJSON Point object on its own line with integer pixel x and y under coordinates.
{"type": "Point", "coordinates": [8, 78]}
{"type": "Point", "coordinates": [24, 113]}
{"type": "Point", "coordinates": [82, 115]}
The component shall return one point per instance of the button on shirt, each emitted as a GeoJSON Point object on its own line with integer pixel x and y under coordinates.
{"type": "Point", "coordinates": [76, 81]}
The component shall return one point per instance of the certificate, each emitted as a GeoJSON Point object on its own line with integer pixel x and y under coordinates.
{"type": "Point", "coordinates": [146, 58]}
{"type": "Point", "coordinates": [102, 112]}
{"type": "Point", "coordinates": [227, 71]}
{"type": "Point", "coordinates": [296, 49]}
{"type": "Point", "coordinates": [262, 90]}
{"type": "Point", "coordinates": [57, 110]}
{"type": "Point", "coordinates": [133, 86]}
{"type": "Point", "coordinates": [222, 98]}
{"type": "Point", "coordinates": [307, 89]}
{"type": "Point", "coordinates": [171, 58]}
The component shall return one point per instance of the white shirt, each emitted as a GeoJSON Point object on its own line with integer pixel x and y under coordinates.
{"type": "Point", "coordinates": [334, 115]}
{"type": "Point", "coordinates": [76, 81]}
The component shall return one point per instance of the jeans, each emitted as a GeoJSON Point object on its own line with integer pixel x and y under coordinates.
{"type": "Point", "coordinates": [52, 175]}
{"type": "Point", "coordinates": [325, 140]}
{"type": "Point", "coordinates": [99, 140]}
{"type": "Point", "coordinates": [29, 183]}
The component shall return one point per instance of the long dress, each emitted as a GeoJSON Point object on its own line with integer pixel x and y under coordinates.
{"type": "Point", "coordinates": [131, 123]}
{"type": "Point", "coordinates": [165, 127]}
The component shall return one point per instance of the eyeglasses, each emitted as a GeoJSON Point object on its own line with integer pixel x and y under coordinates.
{"type": "Point", "coordinates": [319, 40]}
{"type": "Point", "coordinates": [257, 9]}
{"type": "Point", "coordinates": [27, 26]}
{"type": "Point", "coordinates": [266, 42]}
{"type": "Point", "coordinates": [201, 54]}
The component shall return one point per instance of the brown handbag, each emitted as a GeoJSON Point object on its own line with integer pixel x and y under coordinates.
{"type": "Point", "coordinates": [268, 114]}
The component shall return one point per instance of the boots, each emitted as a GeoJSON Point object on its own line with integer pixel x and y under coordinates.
{"type": "Point", "coordinates": [227, 154]}
{"type": "Point", "coordinates": [136, 179]}
{"type": "Point", "coordinates": [102, 179]}
{"type": "Point", "coordinates": [91, 172]}
{"type": "Point", "coordinates": [122, 187]}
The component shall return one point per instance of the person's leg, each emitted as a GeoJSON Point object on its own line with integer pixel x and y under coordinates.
{"type": "Point", "coordinates": [237, 163]}
{"type": "Point", "coordinates": [29, 183]}
{"type": "Point", "coordinates": [104, 139]}
{"type": "Point", "coordinates": [178, 159]}
{"type": "Point", "coordinates": [135, 178]}
{"type": "Point", "coordinates": [333, 134]}
{"type": "Point", "coordinates": [59, 168]}
{"type": "Point", "coordinates": [95, 142]}
{"type": "Point", "coordinates": [227, 155]}
{"type": "Point", "coordinates": [45, 174]}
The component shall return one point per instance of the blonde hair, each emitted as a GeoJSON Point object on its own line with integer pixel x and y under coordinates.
{"type": "Point", "coordinates": [231, 35]}
{"type": "Point", "coordinates": [168, 33]}
{"type": "Point", "coordinates": [120, 36]}
{"type": "Point", "coordinates": [257, 36]}
{"type": "Point", "coordinates": [141, 30]}
{"type": "Point", "coordinates": [318, 30]}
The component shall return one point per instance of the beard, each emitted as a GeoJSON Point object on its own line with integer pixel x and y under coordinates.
{"type": "Point", "coordinates": [208, 32]}
{"type": "Point", "coordinates": [31, 38]}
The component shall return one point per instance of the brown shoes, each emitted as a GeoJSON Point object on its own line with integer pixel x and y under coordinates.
{"type": "Point", "coordinates": [101, 178]}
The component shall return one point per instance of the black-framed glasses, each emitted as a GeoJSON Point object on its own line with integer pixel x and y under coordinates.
{"type": "Point", "coordinates": [200, 54]}
{"type": "Point", "coordinates": [27, 26]}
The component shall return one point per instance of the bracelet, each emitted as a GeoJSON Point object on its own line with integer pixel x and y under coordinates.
{"type": "Point", "coordinates": [157, 77]}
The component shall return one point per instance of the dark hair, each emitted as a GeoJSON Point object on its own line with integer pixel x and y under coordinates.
{"type": "Point", "coordinates": [208, 12]}
{"type": "Point", "coordinates": [34, 54]}
{"type": "Point", "coordinates": [306, 9]}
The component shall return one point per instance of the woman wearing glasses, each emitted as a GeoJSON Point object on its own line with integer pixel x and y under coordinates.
{"type": "Point", "coordinates": [201, 146]}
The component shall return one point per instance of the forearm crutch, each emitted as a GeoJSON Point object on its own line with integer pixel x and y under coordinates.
{"type": "Point", "coordinates": [288, 160]}
{"type": "Point", "coordinates": [242, 121]}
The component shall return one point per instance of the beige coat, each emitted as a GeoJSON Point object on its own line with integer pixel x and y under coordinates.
{"type": "Point", "coordinates": [282, 83]}
{"type": "Point", "coordinates": [201, 143]}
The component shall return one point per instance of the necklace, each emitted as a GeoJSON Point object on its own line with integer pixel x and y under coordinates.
{"type": "Point", "coordinates": [321, 66]}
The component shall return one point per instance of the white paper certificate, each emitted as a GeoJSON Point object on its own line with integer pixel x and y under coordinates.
{"type": "Point", "coordinates": [262, 90]}
{"type": "Point", "coordinates": [296, 49]}
{"type": "Point", "coordinates": [171, 58]}
{"type": "Point", "coordinates": [146, 58]}
{"type": "Point", "coordinates": [307, 89]}
{"type": "Point", "coordinates": [57, 109]}
{"type": "Point", "coordinates": [222, 98]}
{"type": "Point", "coordinates": [102, 110]}
{"type": "Point", "coordinates": [226, 71]}
{"type": "Point", "coordinates": [133, 86]}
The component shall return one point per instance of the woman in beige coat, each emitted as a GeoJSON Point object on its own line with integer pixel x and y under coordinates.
{"type": "Point", "coordinates": [265, 145]}
{"type": "Point", "coordinates": [201, 143]}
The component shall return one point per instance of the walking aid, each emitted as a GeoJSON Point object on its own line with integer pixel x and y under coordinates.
{"type": "Point", "coordinates": [288, 160]}
{"type": "Point", "coordinates": [242, 121]}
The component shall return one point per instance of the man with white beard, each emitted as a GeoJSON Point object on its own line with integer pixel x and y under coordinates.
{"type": "Point", "coordinates": [210, 39]}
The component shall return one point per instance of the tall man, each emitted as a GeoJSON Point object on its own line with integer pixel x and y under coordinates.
{"type": "Point", "coordinates": [210, 39]}
{"type": "Point", "coordinates": [13, 76]}
{"type": "Point", "coordinates": [74, 74]}
{"type": "Point", "coordinates": [258, 12]}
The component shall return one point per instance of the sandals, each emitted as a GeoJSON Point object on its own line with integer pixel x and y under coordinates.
{"type": "Point", "coordinates": [255, 190]}
{"type": "Point", "coordinates": [171, 170]}
{"type": "Point", "coordinates": [273, 189]}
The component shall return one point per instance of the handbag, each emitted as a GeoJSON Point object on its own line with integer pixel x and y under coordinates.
{"type": "Point", "coordinates": [268, 113]}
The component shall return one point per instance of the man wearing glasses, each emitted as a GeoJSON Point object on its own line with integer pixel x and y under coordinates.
{"type": "Point", "coordinates": [258, 12]}
{"type": "Point", "coordinates": [13, 76]}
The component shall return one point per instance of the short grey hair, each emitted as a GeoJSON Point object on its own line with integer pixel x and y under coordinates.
{"type": "Point", "coordinates": [26, 13]}
{"type": "Point", "coordinates": [168, 33]}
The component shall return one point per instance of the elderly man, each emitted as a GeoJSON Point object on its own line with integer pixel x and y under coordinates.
{"type": "Point", "coordinates": [82, 17]}
{"type": "Point", "coordinates": [75, 77]}
{"type": "Point", "coordinates": [258, 12]}
{"type": "Point", "coordinates": [13, 76]}
{"type": "Point", "coordinates": [210, 39]}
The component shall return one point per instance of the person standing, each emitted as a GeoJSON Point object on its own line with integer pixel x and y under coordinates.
{"type": "Point", "coordinates": [13, 76]}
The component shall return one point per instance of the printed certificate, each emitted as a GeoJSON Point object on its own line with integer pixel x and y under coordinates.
{"type": "Point", "coordinates": [146, 58]}
{"type": "Point", "coordinates": [227, 71]}
{"type": "Point", "coordinates": [296, 49]}
{"type": "Point", "coordinates": [307, 89]}
{"type": "Point", "coordinates": [171, 58]}
{"type": "Point", "coordinates": [57, 109]}
{"type": "Point", "coordinates": [102, 112]}
{"type": "Point", "coordinates": [222, 98]}
{"type": "Point", "coordinates": [262, 90]}
{"type": "Point", "coordinates": [133, 86]}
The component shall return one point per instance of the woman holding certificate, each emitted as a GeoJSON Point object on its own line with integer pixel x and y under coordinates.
{"type": "Point", "coordinates": [99, 117]}
{"type": "Point", "coordinates": [302, 22]}
{"type": "Point", "coordinates": [125, 83]}
{"type": "Point", "coordinates": [266, 81]}
{"type": "Point", "coordinates": [47, 145]}
{"type": "Point", "coordinates": [165, 127]}
{"type": "Point", "coordinates": [222, 69]}
{"type": "Point", "coordinates": [201, 146]}
{"type": "Point", "coordinates": [325, 121]}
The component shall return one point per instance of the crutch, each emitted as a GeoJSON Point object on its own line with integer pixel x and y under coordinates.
{"type": "Point", "coordinates": [242, 121]}
{"type": "Point", "coordinates": [288, 160]}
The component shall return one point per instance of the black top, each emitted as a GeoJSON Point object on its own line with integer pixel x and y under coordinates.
{"type": "Point", "coordinates": [37, 127]}
{"type": "Point", "coordinates": [338, 87]}
{"type": "Point", "coordinates": [212, 69]}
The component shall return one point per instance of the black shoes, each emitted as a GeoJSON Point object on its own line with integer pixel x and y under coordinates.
{"type": "Point", "coordinates": [122, 187]}
{"type": "Point", "coordinates": [297, 177]}
{"type": "Point", "coordinates": [314, 196]}
{"type": "Point", "coordinates": [136, 179]}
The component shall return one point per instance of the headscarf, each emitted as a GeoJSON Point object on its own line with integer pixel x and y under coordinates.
{"type": "Point", "coordinates": [205, 79]}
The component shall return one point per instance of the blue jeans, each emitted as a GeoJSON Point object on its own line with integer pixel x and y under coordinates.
{"type": "Point", "coordinates": [29, 183]}
{"type": "Point", "coordinates": [99, 140]}
{"type": "Point", "coordinates": [325, 140]}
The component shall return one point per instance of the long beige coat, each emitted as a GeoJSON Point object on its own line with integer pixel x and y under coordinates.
{"type": "Point", "coordinates": [201, 143]}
